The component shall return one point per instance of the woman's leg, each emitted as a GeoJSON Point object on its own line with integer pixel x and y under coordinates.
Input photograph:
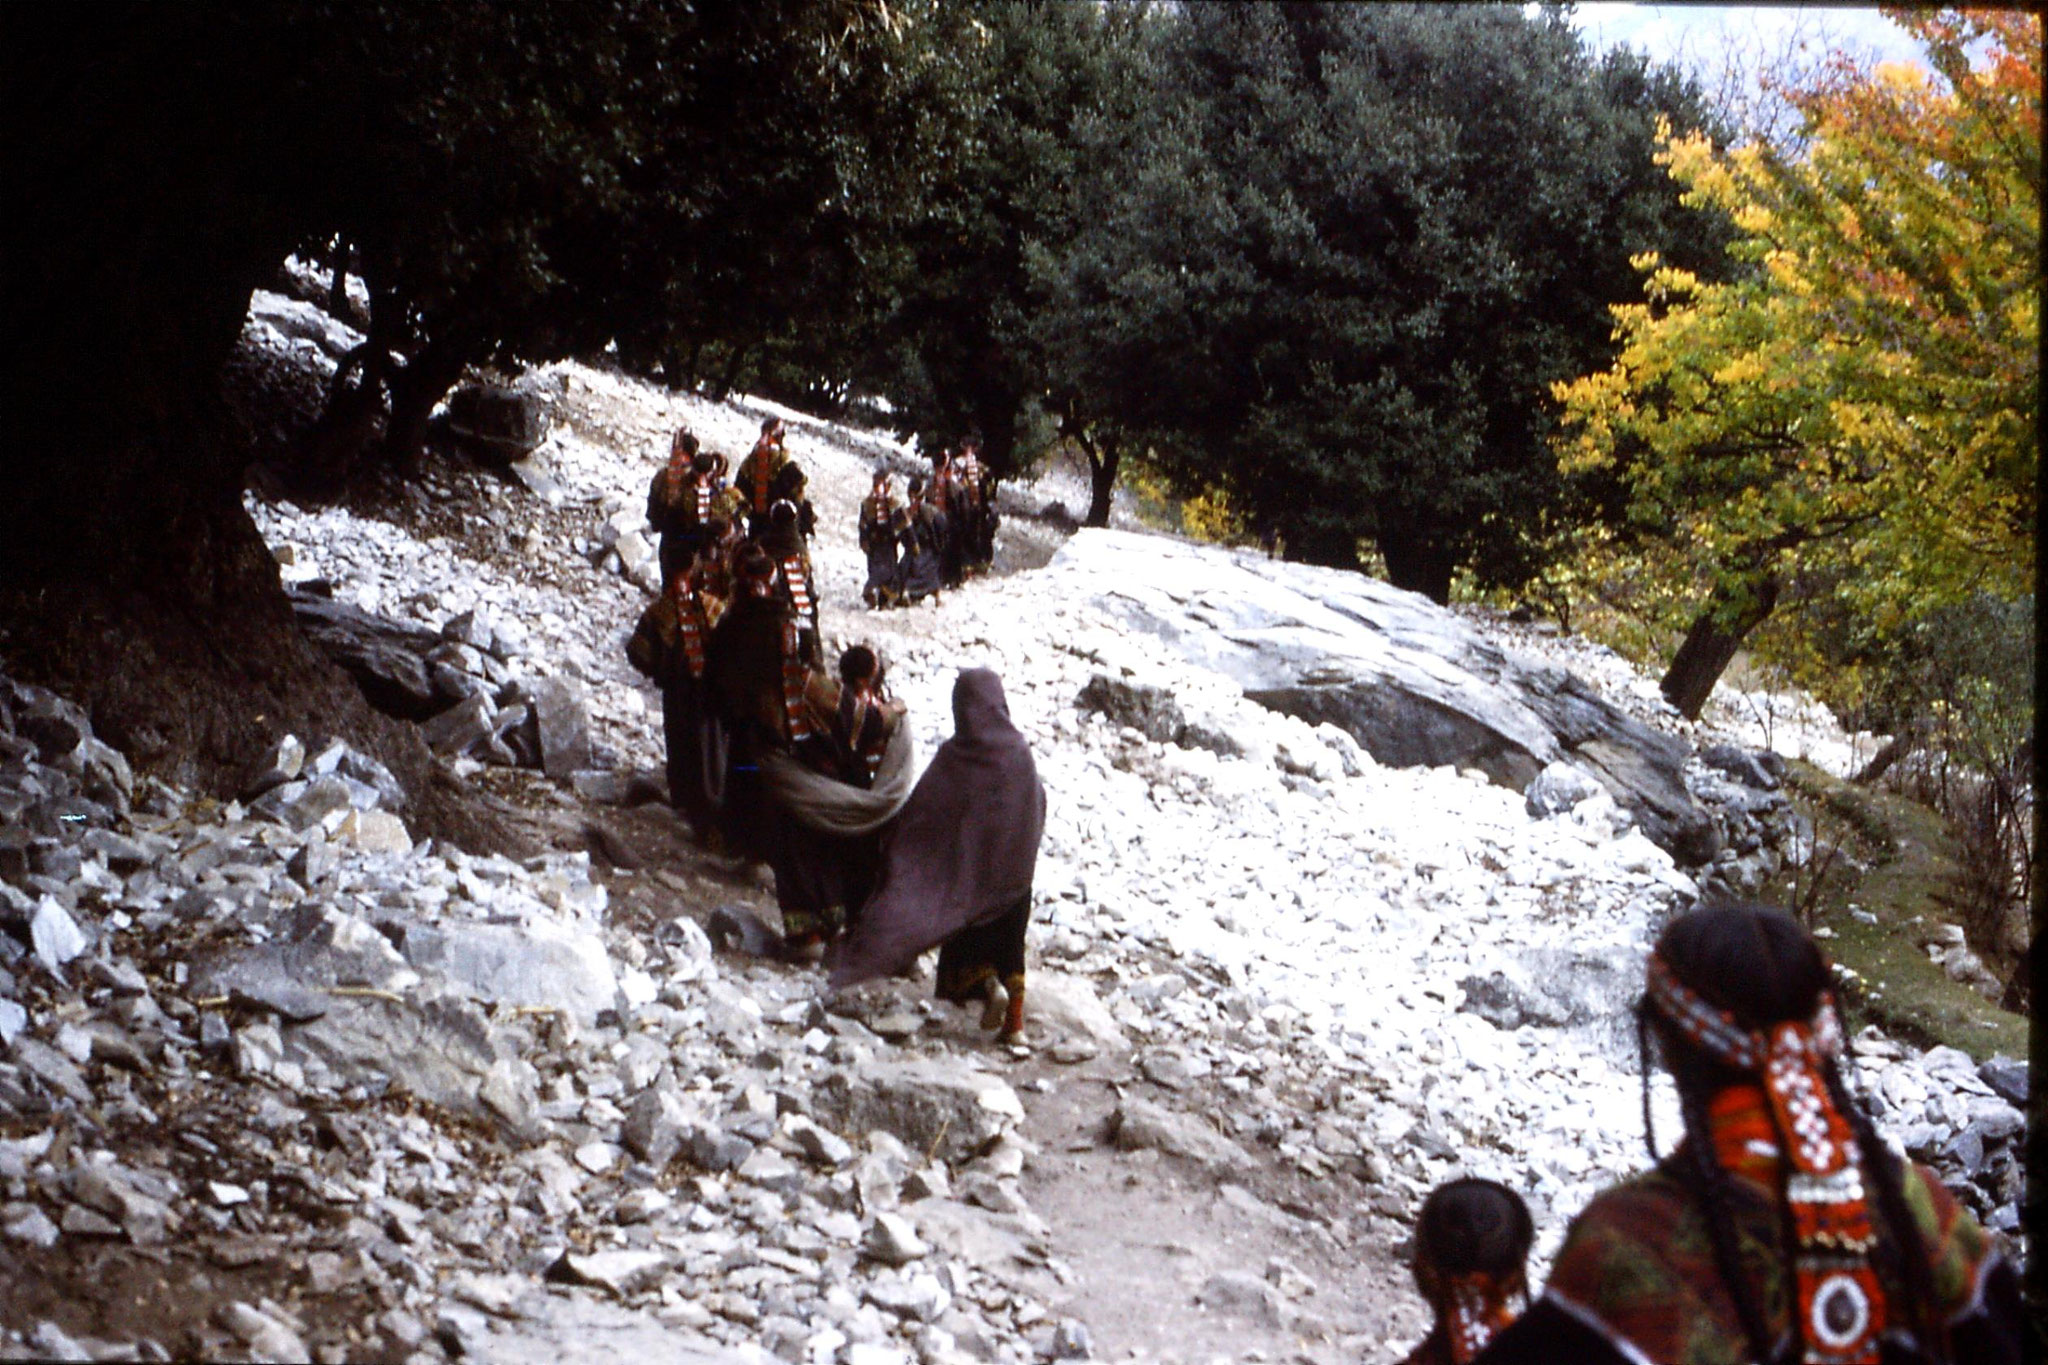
{"type": "Point", "coordinates": [1009, 965]}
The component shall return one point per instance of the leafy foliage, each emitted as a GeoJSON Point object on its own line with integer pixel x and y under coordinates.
{"type": "Point", "coordinates": [538, 182]}
{"type": "Point", "coordinates": [1348, 253]}
{"type": "Point", "coordinates": [1015, 107]}
{"type": "Point", "coordinates": [1853, 418]}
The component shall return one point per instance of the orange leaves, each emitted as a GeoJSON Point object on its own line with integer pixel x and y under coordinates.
{"type": "Point", "coordinates": [1864, 402]}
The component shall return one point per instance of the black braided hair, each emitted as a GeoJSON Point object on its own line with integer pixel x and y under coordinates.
{"type": "Point", "coordinates": [857, 663]}
{"type": "Point", "coordinates": [788, 482]}
{"type": "Point", "coordinates": [1901, 1253]}
{"type": "Point", "coordinates": [1469, 1225]}
{"type": "Point", "coordinates": [1643, 1065]}
{"type": "Point", "coordinates": [1712, 1187]}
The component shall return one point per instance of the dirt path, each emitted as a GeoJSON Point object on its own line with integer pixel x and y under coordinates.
{"type": "Point", "coordinates": [1145, 1233]}
{"type": "Point", "coordinates": [1135, 1235]}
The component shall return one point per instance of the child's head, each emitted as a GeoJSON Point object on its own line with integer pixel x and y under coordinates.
{"type": "Point", "coordinates": [858, 665]}
{"type": "Point", "coordinates": [1471, 1251]}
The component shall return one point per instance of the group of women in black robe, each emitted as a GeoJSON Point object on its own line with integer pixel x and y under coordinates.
{"type": "Point", "coordinates": [736, 570]}
{"type": "Point", "coordinates": [945, 532]}
{"type": "Point", "coordinates": [782, 762]}
{"type": "Point", "coordinates": [903, 545]}
{"type": "Point", "coordinates": [1780, 1230]}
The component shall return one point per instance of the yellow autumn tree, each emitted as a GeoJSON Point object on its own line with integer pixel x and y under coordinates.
{"type": "Point", "coordinates": [1855, 411]}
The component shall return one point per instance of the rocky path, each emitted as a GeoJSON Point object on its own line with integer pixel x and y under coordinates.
{"type": "Point", "coordinates": [281, 1081]}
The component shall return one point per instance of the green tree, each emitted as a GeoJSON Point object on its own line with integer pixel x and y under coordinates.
{"type": "Point", "coordinates": [558, 178]}
{"type": "Point", "coordinates": [1013, 97]}
{"type": "Point", "coordinates": [1357, 245]}
{"type": "Point", "coordinates": [474, 161]}
{"type": "Point", "coordinates": [1095, 321]}
{"type": "Point", "coordinates": [1858, 410]}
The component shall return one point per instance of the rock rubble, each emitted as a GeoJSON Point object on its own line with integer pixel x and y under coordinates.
{"type": "Point", "coordinates": [454, 1102]}
{"type": "Point", "coordinates": [252, 1040]}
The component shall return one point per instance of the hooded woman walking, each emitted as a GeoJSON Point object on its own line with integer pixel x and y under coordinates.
{"type": "Point", "coordinates": [957, 868]}
{"type": "Point", "coordinates": [1781, 1229]}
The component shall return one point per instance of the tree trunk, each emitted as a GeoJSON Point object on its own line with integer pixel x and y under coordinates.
{"type": "Point", "coordinates": [415, 390]}
{"type": "Point", "coordinates": [1105, 457]}
{"type": "Point", "coordinates": [1102, 472]}
{"type": "Point", "coordinates": [132, 578]}
{"type": "Point", "coordinates": [1710, 646]}
{"type": "Point", "coordinates": [731, 378]}
{"type": "Point", "coordinates": [1418, 563]}
{"type": "Point", "coordinates": [1881, 762]}
{"type": "Point", "coordinates": [997, 418]}
{"type": "Point", "coordinates": [1316, 545]}
{"type": "Point", "coordinates": [330, 449]}
{"type": "Point", "coordinates": [679, 364]}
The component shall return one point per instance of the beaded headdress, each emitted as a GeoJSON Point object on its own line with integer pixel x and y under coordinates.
{"type": "Point", "coordinates": [1479, 1307]}
{"type": "Point", "coordinates": [690, 623]}
{"type": "Point", "coordinates": [1841, 1305]}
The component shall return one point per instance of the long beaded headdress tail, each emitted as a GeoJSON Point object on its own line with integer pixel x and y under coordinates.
{"type": "Point", "coordinates": [1474, 1307]}
{"type": "Point", "coordinates": [1480, 1308]}
{"type": "Point", "coordinates": [1841, 1304]}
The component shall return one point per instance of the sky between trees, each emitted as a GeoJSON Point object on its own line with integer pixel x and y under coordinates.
{"type": "Point", "coordinates": [1705, 36]}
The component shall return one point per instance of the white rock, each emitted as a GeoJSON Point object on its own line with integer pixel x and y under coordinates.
{"type": "Point", "coordinates": [622, 1272]}
{"type": "Point", "coordinates": [266, 1337]}
{"type": "Point", "coordinates": [597, 1157]}
{"type": "Point", "coordinates": [641, 1205]}
{"type": "Point", "coordinates": [637, 987]}
{"type": "Point", "coordinates": [374, 831]}
{"type": "Point", "coordinates": [74, 1042]}
{"type": "Point", "coordinates": [1001, 1099]}
{"type": "Point", "coordinates": [55, 935]}
{"type": "Point", "coordinates": [28, 1224]}
{"type": "Point", "coordinates": [874, 1353]}
{"type": "Point", "coordinates": [892, 1240]}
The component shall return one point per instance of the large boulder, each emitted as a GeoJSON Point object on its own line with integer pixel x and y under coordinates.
{"type": "Point", "coordinates": [496, 424]}
{"type": "Point", "coordinates": [352, 1011]}
{"type": "Point", "coordinates": [936, 1105]}
{"type": "Point", "coordinates": [462, 726]}
{"type": "Point", "coordinates": [1758, 768]}
{"type": "Point", "coordinates": [438, 1047]}
{"type": "Point", "coordinates": [550, 1328]}
{"type": "Point", "coordinates": [385, 657]}
{"type": "Point", "coordinates": [296, 320]}
{"type": "Point", "coordinates": [563, 724]}
{"type": "Point", "coordinates": [322, 947]}
{"type": "Point", "coordinates": [1137, 1124]}
{"type": "Point", "coordinates": [1411, 682]}
{"type": "Point", "coordinates": [1558, 788]}
{"type": "Point", "coordinates": [1591, 988]}
{"type": "Point", "coordinates": [1152, 711]}
{"type": "Point", "coordinates": [537, 965]}
{"type": "Point", "coordinates": [1066, 1007]}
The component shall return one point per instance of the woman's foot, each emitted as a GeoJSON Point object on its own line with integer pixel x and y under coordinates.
{"type": "Point", "coordinates": [1013, 1017]}
{"type": "Point", "coordinates": [802, 949]}
{"type": "Point", "coordinates": [992, 1010]}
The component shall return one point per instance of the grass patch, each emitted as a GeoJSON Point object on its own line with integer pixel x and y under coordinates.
{"type": "Point", "coordinates": [1903, 865]}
